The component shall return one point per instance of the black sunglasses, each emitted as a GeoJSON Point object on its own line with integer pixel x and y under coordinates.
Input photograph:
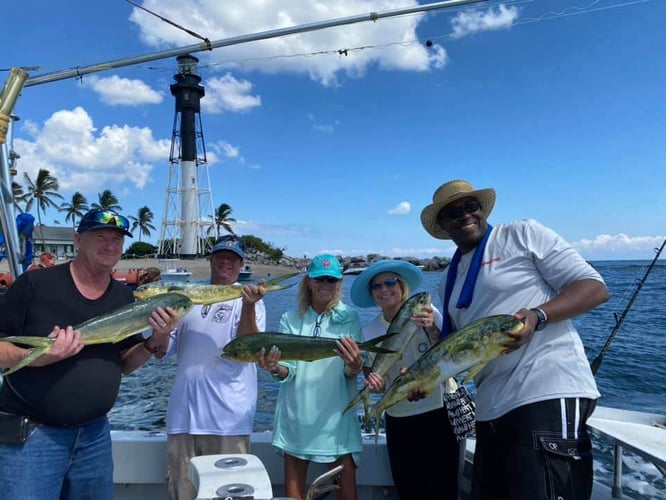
{"type": "Point", "coordinates": [457, 212]}
{"type": "Point", "coordinates": [388, 283]}
{"type": "Point", "coordinates": [326, 279]}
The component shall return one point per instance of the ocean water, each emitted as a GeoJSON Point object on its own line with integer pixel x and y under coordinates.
{"type": "Point", "coordinates": [631, 375]}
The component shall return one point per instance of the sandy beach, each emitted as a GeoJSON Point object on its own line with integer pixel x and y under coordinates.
{"type": "Point", "coordinates": [199, 268]}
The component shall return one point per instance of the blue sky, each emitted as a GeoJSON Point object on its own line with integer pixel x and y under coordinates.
{"type": "Point", "coordinates": [558, 105]}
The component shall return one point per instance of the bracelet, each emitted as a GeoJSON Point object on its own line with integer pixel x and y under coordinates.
{"type": "Point", "coordinates": [146, 346]}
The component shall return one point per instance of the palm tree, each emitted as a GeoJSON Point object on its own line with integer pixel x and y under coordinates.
{"type": "Point", "coordinates": [19, 196]}
{"type": "Point", "coordinates": [41, 192]}
{"type": "Point", "coordinates": [107, 201]}
{"type": "Point", "coordinates": [75, 208]}
{"type": "Point", "coordinates": [142, 221]}
{"type": "Point", "coordinates": [223, 219]}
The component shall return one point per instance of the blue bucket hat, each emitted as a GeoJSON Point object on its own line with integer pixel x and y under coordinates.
{"type": "Point", "coordinates": [231, 243]}
{"type": "Point", "coordinates": [325, 265]}
{"type": "Point", "coordinates": [104, 219]}
{"type": "Point", "coordinates": [360, 290]}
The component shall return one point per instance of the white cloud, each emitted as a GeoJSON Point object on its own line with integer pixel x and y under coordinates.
{"type": "Point", "coordinates": [328, 128]}
{"type": "Point", "coordinates": [227, 93]}
{"type": "Point", "coordinates": [117, 91]}
{"type": "Point", "coordinates": [468, 22]}
{"type": "Point", "coordinates": [84, 158]}
{"type": "Point", "coordinates": [390, 43]}
{"type": "Point", "coordinates": [401, 208]}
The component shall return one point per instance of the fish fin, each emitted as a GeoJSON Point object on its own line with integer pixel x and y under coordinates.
{"type": "Point", "coordinates": [37, 352]}
{"type": "Point", "coordinates": [358, 397]}
{"type": "Point", "coordinates": [371, 345]}
{"type": "Point", "coordinates": [280, 279]}
{"type": "Point", "coordinates": [472, 372]}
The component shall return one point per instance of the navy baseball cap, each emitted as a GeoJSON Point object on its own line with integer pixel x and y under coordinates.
{"type": "Point", "coordinates": [104, 219]}
{"type": "Point", "coordinates": [230, 242]}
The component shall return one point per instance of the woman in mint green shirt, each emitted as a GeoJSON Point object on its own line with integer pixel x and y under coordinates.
{"type": "Point", "coordinates": [309, 423]}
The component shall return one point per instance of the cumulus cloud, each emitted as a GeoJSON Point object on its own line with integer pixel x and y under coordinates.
{"type": "Point", "coordinates": [323, 55]}
{"type": "Point", "coordinates": [84, 158]}
{"type": "Point", "coordinates": [468, 22]}
{"type": "Point", "coordinates": [401, 208]}
{"type": "Point", "coordinates": [229, 94]}
{"type": "Point", "coordinates": [117, 91]}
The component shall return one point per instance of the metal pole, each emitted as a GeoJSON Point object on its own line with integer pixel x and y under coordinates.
{"type": "Point", "coordinates": [237, 40]}
{"type": "Point", "coordinates": [8, 96]}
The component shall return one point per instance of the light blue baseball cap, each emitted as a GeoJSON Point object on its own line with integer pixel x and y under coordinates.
{"type": "Point", "coordinates": [325, 265]}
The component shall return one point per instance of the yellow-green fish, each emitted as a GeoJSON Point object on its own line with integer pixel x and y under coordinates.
{"type": "Point", "coordinates": [468, 349]}
{"type": "Point", "coordinates": [292, 347]}
{"type": "Point", "coordinates": [406, 330]}
{"type": "Point", "coordinates": [202, 293]}
{"type": "Point", "coordinates": [107, 328]}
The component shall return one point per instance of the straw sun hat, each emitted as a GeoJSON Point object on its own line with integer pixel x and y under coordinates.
{"type": "Point", "coordinates": [448, 193]}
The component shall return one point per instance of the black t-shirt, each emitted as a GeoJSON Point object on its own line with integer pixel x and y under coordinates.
{"type": "Point", "coordinates": [76, 390]}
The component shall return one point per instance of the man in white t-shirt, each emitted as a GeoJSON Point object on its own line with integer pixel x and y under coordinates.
{"type": "Point", "coordinates": [532, 403]}
{"type": "Point", "coordinates": [213, 401]}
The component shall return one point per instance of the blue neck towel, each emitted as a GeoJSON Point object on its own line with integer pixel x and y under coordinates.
{"type": "Point", "coordinates": [467, 293]}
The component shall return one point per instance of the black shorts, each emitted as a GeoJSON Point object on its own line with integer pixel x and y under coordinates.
{"type": "Point", "coordinates": [541, 450]}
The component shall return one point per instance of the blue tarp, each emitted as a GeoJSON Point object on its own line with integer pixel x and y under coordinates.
{"type": "Point", "coordinates": [25, 224]}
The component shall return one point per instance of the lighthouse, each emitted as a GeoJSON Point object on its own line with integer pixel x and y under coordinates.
{"type": "Point", "coordinates": [188, 218]}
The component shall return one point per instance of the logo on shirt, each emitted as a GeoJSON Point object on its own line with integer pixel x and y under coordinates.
{"type": "Point", "coordinates": [222, 314]}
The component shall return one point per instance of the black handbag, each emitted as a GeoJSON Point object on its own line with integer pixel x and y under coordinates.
{"type": "Point", "coordinates": [460, 408]}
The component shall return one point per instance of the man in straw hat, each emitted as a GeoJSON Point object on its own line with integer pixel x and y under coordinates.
{"type": "Point", "coordinates": [532, 403]}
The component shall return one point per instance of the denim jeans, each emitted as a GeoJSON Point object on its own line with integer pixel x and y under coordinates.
{"type": "Point", "coordinates": [59, 463]}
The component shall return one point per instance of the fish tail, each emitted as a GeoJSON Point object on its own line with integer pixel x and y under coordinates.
{"type": "Point", "coordinates": [372, 345]}
{"type": "Point", "coordinates": [354, 401]}
{"type": "Point", "coordinates": [36, 352]}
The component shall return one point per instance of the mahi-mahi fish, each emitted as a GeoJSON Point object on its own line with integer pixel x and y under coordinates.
{"type": "Point", "coordinates": [106, 328]}
{"type": "Point", "coordinates": [292, 347]}
{"type": "Point", "coordinates": [202, 293]}
{"type": "Point", "coordinates": [468, 349]}
{"type": "Point", "coordinates": [405, 330]}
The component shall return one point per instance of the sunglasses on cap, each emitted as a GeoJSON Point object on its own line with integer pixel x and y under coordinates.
{"type": "Point", "coordinates": [108, 217]}
{"type": "Point", "coordinates": [388, 283]}
{"type": "Point", "coordinates": [457, 212]}
{"type": "Point", "coordinates": [326, 279]}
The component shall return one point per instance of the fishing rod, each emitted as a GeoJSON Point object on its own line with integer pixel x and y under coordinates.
{"type": "Point", "coordinates": [619, 318]}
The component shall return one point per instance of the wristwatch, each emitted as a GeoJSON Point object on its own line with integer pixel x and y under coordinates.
{"type": "Point", "coordinates": [542, 318]}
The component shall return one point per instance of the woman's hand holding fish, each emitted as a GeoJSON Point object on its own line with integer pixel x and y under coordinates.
{"type": "Point", "coordinates": [375, 382]}
{"type": "Point", "coordinates": [268, 360]}
{"type": "Point", "coordinates": [425, 319]}
{"type": "Point", "coordinates": [350, 353]}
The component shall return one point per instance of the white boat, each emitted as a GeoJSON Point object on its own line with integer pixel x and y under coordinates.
{"type": "Point", "coordinates": [352, 271]}
{"type": "Point", "coordinates": [140, 460]}
{"type": "Point", "coordinates": [245, 274]}
{"type": "Point", "coordinates": [169, 270]}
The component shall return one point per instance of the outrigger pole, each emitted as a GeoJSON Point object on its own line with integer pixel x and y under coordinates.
{"type": "Point", "coordinates": [619, 318]}
{"type": "Point", "coordinates": [19, 78]}
{"type": "Point", "coordinates": [236, 40]}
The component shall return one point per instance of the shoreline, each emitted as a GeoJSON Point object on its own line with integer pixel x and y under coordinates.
{"type": "Point", "coordinates": [199, 268]}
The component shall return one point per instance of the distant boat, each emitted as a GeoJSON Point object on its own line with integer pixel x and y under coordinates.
{"type": "Point", "coordinates": [245, 274]}
{"type": "Point", "coordinates": [352, 271]}
{"type": "Point", "coordinates": [170, 272]}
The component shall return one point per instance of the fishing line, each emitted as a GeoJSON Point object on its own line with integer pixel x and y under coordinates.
{"type": "Point", "coordinates": [619, 318]}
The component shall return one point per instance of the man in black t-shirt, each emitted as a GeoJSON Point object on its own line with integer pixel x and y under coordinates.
{"type": "Point", "coordinates": [67, 392]}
